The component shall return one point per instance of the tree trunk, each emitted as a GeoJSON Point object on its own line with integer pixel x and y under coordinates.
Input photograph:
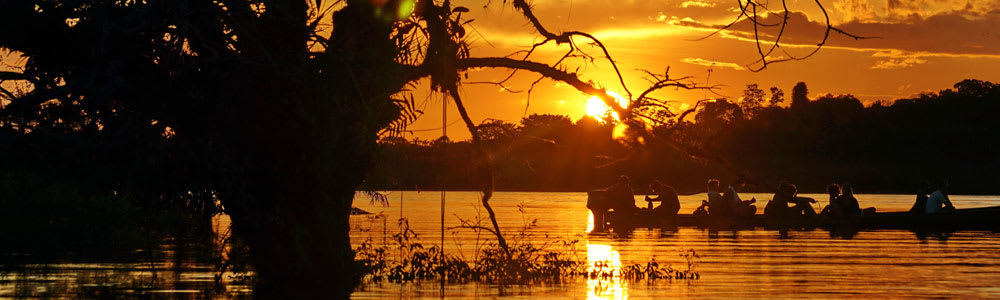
{"type": "Point", "coordinates": [301, 250]}
{"type": "Point", "coordinates": [293, 211]}
{"type": "Point", "coordinates": [306, 154]}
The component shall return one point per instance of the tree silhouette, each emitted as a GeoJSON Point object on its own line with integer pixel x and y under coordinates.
{"type": "Point", "coordinates": [546, 126]}
{"type": "Point", "coordinates": [800, 95]}
{"type": "Point", "coordinates": [753, 99]}
{"type": "Point", "coordinates": [975, 87]}
{"type": "Point", "coordinates": [777, 96]}
{"type": "Point", "coordinates": [497, 131]}
{"type": "Point", "coordinates": [719, 113]}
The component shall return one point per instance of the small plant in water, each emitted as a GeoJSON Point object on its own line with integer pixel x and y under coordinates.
{"type": "Point", "coordinates": [524, 261]}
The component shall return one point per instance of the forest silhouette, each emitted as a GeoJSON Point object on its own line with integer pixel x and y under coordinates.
{"type": "Point", "coordinates": [880, 148]}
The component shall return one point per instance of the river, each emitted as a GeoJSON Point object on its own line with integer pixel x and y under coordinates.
{"type": "Point", "coordinates": [732, 264]}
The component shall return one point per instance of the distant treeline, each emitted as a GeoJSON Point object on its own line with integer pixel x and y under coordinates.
{"type": "Point", "coordinates": [949, 135]}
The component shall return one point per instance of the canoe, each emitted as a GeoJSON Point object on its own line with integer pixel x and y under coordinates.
{"type": "Point", "coordinates": [985, 218]}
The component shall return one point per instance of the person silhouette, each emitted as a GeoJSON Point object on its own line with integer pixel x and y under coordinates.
{"type": "Point", "coordinates": [622, 197]}
{"type": "Point", "coordinates": [849, 204]}
{"type": "Point", "coordinates": [778, 207]}
{"type": "Point", "coordinates": [833, 209]}
{"type": "Point", "coordinates": [669, 202]}
{"type": "Point", "coordinates": [920, 205]}
{"type": "Point", "coordinates": [739, 207]}
{"type": "Point", "coordinates": [717, 204]}
{"type": "Point", "coordinates": [938, 199]}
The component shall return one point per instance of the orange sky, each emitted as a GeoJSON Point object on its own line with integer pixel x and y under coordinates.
{"type": "Point", "coordinates": [921, 45]}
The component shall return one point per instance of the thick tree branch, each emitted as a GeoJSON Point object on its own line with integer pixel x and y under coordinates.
{"type": "Point", "coordinates": [6, 75]}
{"type": "Point", "coordinates": [548, 71]}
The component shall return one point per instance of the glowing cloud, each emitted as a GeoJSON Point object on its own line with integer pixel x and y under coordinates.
{"type": "Point", "coordinates": [892, 59]}
{"type": "Point", "coordinates": [710, 63]}
{"type": "Point", "coordinates": [695, 3]}
{"type": "Point", "coordinates": [897, 63]}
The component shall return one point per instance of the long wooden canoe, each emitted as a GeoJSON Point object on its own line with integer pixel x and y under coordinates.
{"type": "Point", "coordinates": [986, 218]}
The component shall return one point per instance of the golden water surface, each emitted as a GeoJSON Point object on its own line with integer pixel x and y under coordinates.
{"type": "Point", "coordinates": [732, 264]}
{"type": "Point", "coordinates": [759, 263]}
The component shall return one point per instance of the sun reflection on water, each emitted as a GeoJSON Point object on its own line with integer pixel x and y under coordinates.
{"type": "Point", "coordinates": [605, 281]}
{"type": "Point", "coordinates": [590, 221]}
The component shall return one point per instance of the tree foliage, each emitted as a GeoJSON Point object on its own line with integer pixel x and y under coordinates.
{"type": "Point", "coordinates": [800, 94]}
{"type": "Point", "coordinates": [753, 99]}
{"type": "Point", "coordinates": [777, 96]}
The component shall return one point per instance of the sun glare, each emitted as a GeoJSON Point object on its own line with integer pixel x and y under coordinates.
{"type": "Point", "coordinates": [606, 263]}
{"type": "Point", "coordinates": [597, 109]}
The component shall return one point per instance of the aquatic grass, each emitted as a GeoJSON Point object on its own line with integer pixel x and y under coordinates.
{"type": "Point", "coordinates": [527, 259]}
{"type": "Point", "coordinates": [525, 264]}
{"type": "Point", "coordinates": [415, 262]}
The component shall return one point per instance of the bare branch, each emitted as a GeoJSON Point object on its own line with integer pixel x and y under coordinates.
{"type": "Point", "coordinates": [485, 167]}
{"type": "Point", "coordinates": [566, 37]}
{"type": "Point", "coordinates": [496, 83]}
{"type": "Point", "coordinates": [749, 11]}
{"type": "Point", "coordinates": [743, 13]}
{"type": "Point", "coordinates": [826, 36]}
{"type": "Point", "coordinates": [545, 70]}
{"type": "Point", "coordinates": [692, 109]}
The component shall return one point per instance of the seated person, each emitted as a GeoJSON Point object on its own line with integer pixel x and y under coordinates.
{"type": "Point", "coordinates": [669, 203]}
{"type": "Point", "coordinates": [937, 199]}
{"type": "Point", "coordinates": [623, 199]}
{"type": "Point", "coordinates": [921, 204]}
{"type": "Point", "coordinates": [739, 207]}
{"type": "Point", "coordinates": [850, 206]}
{"type": "Point", "coordinates": [717, 204]}
{"type": "Point", "coordinates": [778, 207]}
{"type": "Point", "coordinates": [834, 209]}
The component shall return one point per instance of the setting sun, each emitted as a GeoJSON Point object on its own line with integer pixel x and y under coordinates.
{"type": "Point", "coordinates": [597, 109]}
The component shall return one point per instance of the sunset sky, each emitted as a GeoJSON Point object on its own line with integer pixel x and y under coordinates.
{"type": "Point", "coordinates": [918, 46]}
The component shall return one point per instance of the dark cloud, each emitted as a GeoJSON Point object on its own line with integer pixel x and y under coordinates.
{"type": "Point", "coordinates": [954, 33]}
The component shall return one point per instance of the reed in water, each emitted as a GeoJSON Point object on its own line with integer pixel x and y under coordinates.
{"type": "Point", "coordinates": [527, 261]}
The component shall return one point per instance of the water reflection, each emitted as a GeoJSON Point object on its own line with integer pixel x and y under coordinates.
{"type": "Point", "coordinates": [590, 221]}
{"type": "Point", "coordinates": [923, 235]}
{"type": "Point", "coordinates": [605, 280]}
{"type": "Point", "coordinates": [193, 261]}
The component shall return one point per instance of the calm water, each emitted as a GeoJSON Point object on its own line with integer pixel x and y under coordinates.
{"type": "Point", "coordinates": [743, 264]}
{"type": "Point", "coordinates": [175, 270]}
